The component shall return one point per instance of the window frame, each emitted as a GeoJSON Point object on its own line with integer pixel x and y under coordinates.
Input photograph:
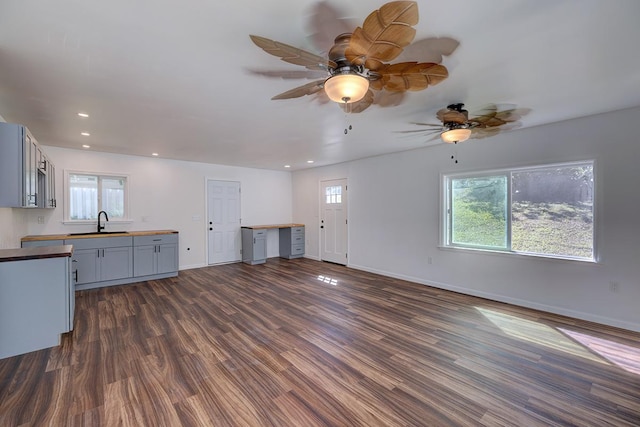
{"type": "Point", "coordinates": [101, 176]}
{"type": "Point", "coordinates": [446, 230]}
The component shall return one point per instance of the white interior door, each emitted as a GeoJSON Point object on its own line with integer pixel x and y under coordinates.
{"type": "Point", "coordinates": [223, 221]}
{"type": "Point", "coordinates": [333, 221]}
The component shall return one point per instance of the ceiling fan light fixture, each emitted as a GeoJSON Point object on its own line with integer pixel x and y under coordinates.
{"type": "Point", "coordinates": [455, 135]}
{"type": "Point", "coordinates": [346, 88]}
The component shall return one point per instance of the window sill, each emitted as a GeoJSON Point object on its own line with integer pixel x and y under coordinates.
{"type": "Point", "coordinates": [518, 254]}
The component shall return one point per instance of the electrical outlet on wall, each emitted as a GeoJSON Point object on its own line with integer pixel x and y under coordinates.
{"type": "Point", "coordinates": [40, 219]}
{"type": "Point", "coordinates": [614, 286]}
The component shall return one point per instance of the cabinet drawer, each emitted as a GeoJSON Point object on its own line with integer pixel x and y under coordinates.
{"type": "Point", "coordinates": [297, 249]}
{"type": "Point", "coordinates": [297, 230]}
{"type": "Point", "coordinates": [259, 233]}
{"type": "Point", "coordinates": [99, 242]}
{"type": "Point", "coordinates": [157, 239]}
{"type": "Point", "coordinates": [297, 239]}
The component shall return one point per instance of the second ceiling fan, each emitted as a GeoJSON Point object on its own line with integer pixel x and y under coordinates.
{"type": "Point", "coordinates": [456, 125]}
{"type": "Point", "coordinates": [358, 63]}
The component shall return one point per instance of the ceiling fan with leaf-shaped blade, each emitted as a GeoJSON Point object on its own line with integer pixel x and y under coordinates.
{"type": "Point", "coordinates": [358, 62]}
{"type": "Point", "coordinates": [456, 126]}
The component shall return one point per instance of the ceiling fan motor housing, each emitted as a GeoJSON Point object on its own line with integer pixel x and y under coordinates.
{"type": "Point", "coordinates": [343, 65]}
{"type": "Point", "coordinates": [347, 82]}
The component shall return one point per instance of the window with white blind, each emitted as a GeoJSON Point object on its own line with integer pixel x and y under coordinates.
{"type": "Point", "coordinates": [89, 193]}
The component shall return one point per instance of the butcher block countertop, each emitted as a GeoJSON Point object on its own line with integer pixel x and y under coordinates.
{"type": "Point", "coordinates": [22, 254]}
{"type": "Point", "coordinates": [261, 227]}
{"type": "Point", "coordinates": [94, 235]}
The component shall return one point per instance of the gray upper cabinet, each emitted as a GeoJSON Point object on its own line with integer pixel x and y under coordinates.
{"type": "Point", "coordinates": [25, 171]}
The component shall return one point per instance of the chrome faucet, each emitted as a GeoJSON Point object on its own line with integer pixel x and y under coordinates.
{"type": "Point", "coordinates": [106, 217]}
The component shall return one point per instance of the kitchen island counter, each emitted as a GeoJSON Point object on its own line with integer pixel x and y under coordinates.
{"type": "Point", "coordinates": [21, 254]}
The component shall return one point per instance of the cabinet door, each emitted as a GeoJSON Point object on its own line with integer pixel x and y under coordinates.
{"type": "Point", "coordinates": [28, 172]}
{"type": "Point", "coordinates": [33, 174]}
{"type": "Point", "coordinates": [116, 263]}
{"type": "Point", "coordinates": [51, 185]}
{"type": "Point", "coordinates": [85, 264]}
{"type": "Point", "coordinates": [144, 260]}
{"type": "Point", "coordinates": [260, 247]}
{"type": "Point", "coordinates": [167, 256]}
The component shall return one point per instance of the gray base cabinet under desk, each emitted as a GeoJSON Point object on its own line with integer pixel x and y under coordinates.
{"type": "Point", "coordinates": [292, 242]}
{"type": "Point", "coordinates": [254, 242]}
{"type": "Point", "coordinates": [254, 245]}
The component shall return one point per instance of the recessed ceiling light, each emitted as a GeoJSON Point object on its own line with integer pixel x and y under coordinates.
{"type": "Point", "coordinates": [84, 115]}
{"type": "Point", "coordinates": [154, 154]}
{"type": "Point", "coordinates": [85, 134]}
{"type": "Point", "coordinates": [86, 146]}
{"type": "Point", "coordinates": [287, 166]}
{"type": "Point", "coordinates": [309, 161]}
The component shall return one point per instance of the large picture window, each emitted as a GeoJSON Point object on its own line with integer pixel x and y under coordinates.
{"type": "Point", "coordinates": [545, 210]}
{"type": "Point", "coordinates": [87, 194]}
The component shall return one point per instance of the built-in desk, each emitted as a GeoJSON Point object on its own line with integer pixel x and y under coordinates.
{"type": "Point", "coordinates": [254, 242]}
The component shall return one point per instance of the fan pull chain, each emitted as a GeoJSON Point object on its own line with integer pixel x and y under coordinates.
{"type": "Point", "coordinates": [347, 110]}
{"type": "Point", "coordinates": [454, 156]}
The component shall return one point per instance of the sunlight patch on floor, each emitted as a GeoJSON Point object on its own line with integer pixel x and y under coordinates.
{"type": "Point", "coordinates": [328, 280]}
{"type": "Point", "coordinates": [624, 356]}
{"type": "Point", "coordinates": [537, 333]}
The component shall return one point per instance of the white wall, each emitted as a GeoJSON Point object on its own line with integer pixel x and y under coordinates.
{"type": "Point", "coordinates": [169, 194]}
{"type": "Point", "coordinates": [13, 226]}
{"type": "Point", "coordinates": [394, 219]}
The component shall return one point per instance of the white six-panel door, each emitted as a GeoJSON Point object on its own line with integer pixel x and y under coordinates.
{"type": "Point", "coordinates": [223, 221]}
{"type": "Point", "coordinates": [333, 221]}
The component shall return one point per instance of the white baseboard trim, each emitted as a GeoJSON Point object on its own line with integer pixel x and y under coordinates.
{"type": "Point", "coordinates": [192, 266]}
{"type": "Point", "coordinates": [631, 326]}
{"type": "Point", "coordinates": [315, 258]}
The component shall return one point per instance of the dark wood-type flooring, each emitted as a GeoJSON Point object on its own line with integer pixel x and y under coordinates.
{"type": "Point", "coordinates": [305, 343]}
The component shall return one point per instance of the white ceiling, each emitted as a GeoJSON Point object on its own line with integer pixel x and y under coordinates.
{"type": "Point", "coordinates": [173, 77]}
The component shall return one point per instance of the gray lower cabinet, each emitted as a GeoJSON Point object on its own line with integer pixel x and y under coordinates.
{"type": "Point", "coordinates": [254, 245]}
{"type": "Point", "coordinates": [84, 266]}
{"type": "Point", "coordinates": [155, 254]}
{"type": "Point", "coordinates": [107, 261]}
{"type": "Point", "coordinates": [38, 243]}
{"type": "Point", "coordinates": [291, 242]}
{"type": "Point", "coordinates": [101, 259]}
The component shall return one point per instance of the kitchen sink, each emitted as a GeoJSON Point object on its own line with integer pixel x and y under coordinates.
{"type": "Point", "coordinates": [97, 233]}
